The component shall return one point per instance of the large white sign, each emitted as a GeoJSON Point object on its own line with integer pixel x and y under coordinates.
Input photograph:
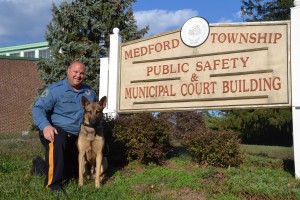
{"type": "Point", "coordinates": [238, 65]}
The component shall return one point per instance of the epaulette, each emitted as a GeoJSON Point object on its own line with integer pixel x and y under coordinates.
{"type": "Point", "coordinates": [54, 85]}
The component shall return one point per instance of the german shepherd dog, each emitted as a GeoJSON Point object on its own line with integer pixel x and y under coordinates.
{"type": "Point", "coordinates": [90, 143]}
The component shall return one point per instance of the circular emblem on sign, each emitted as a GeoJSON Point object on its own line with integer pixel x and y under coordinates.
{"type": "Point", "coordinates": [194, 31]}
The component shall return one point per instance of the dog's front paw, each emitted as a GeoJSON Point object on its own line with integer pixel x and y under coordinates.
{"type": "Point", "coordinates": [97, 183]}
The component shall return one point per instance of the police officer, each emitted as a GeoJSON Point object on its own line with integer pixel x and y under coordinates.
{"type": "Point", "coordinates": [58, 114]}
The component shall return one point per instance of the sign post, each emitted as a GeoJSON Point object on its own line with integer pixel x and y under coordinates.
{"type": "Point", "coordinates": [103, 79]}
{"type": "Point", "coordinates": [109, 74]}
{"type": "Point", "coordinates": [295, 65]}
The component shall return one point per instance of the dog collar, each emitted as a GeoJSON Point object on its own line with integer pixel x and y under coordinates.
{"type": "Point", "coordinates": [92, 126]}
{"type": "Point", "coordinates": [89, 125]}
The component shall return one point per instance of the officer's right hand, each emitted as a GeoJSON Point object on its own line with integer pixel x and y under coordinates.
{"type": "Point", "coordinates": [49, 132]}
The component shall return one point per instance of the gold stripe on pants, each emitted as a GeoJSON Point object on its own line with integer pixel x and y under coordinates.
{"type": "Point", "coordinates": [51, 163]}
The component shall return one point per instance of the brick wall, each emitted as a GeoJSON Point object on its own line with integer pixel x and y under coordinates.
{"type": "Point", "coordinates": [18, 88]}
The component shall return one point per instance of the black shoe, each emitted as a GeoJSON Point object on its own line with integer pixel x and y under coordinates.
{"type": "Point", "coordinates": [59, 191]}
{"type": "Point", "coordinates": [39, 167]}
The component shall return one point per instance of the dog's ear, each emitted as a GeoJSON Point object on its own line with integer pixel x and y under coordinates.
{"type": "Point", "coordinates": [84, 101]}
{"type": "Point", "coordinates": [103, 101]}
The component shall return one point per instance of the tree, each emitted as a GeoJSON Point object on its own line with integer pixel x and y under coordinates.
{"type": "Point", "coordinates": [80, 30]}
{"type": "Point", "coordinates": [270, 126]}
{"type": "Point", "coordinates": [262, 10]}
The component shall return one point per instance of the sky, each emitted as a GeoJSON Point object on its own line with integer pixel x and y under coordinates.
{"type": "Point", "coordinates": [25, 21]}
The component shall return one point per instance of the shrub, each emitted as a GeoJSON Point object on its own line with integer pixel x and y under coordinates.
{"type": "Point", "coordinates": [114, 150]}
{"type": "Point", "coordinates": [145, 138]}
{"type": "Point", "coordinates": [216, 148]}
{"type": "Point", "coordinates": [183, 123]}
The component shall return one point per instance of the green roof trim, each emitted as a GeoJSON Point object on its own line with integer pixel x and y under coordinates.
{"type": "Point", "coordinates": [18, 58]}
{"type": "Point", "coordinates": [23, 47]}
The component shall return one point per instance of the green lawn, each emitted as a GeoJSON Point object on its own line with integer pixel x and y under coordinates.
{"type": "Point", "coordinates": [267, 173]}
{"type": "Point", "coordinates": [269, 151]}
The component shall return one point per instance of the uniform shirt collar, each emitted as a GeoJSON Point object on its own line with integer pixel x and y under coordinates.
{"type": "Point", "coordinates": [69, 88]}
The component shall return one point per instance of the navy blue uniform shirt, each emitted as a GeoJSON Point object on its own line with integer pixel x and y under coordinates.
{"type": "Point", "coordinates": [60, 105]}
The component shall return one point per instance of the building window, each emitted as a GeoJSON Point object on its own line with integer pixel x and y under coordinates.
{"type": "Point", "coordinates": [44, 53]}
{"type": "Point", "coordinates": [29, 54]}
{"type": "Point", "coordinates": [15, 54]}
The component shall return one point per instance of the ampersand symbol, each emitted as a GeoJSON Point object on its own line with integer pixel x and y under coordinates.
{"type": "Point", "coordinates": [194, 77]}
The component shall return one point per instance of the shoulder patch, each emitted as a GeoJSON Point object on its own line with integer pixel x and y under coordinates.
{"type": "Point", "coordinates": [45, 93]}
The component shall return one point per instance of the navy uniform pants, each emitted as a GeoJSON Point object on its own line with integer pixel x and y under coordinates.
{"type": "Point", "coordinates": [61, 157]}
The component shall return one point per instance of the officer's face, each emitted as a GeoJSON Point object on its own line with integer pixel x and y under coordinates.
{"type": "Point", "coordinates": [75, 74]}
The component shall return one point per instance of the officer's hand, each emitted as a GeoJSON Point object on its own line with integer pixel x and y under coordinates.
{"type": "Point", "coordinates": [49, 132]}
